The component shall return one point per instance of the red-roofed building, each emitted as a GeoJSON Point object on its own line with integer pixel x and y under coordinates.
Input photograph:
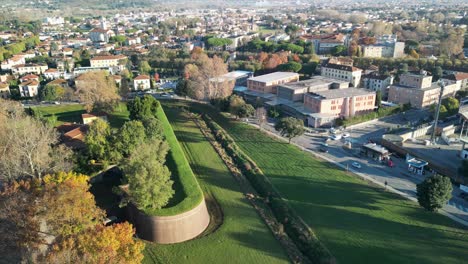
{"type": "Point", "coordinates": [29, 88]}
{"type": "Point", "coordinates": [29, 77]}
{"type": "Point", "coordinates": [142, 82]}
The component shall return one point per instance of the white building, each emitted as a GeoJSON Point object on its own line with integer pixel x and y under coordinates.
{"type": "Point", "coordinates": [53, 20]}
{"type": "Point", "coordinates": [342, 72]}
{"type": "Point", "coordinates": [377, 82]}
{"type": "Point", "coordinates": [29, 88]}
{"type": "Point", "coordinates": [13, 61]}
{"type": "Point", "coordinates": [110, 61]}
{"type": "Point", "coordinates": [100, 35]}
{"type": "Point", "coordinates": [29, 68]}
{"type": "Point", "coordinates": [142, 82]}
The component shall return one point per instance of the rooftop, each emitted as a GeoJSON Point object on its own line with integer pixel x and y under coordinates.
{"type": "Point", "coordinates": [314, 81]}
{"type": "Point", "coordinates": [341, 67]}
{"type": "Point", "coordinates": [340, 93]}
{"type": "Point", "coordinates": [274, 76]}
{"type": "Point", "coordinates": [376, 148]}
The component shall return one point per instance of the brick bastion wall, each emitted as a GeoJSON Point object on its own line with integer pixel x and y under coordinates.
{"type": "Point", "coordinates": [170, 229]}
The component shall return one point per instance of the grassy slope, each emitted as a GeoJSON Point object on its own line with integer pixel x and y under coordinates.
{"type": "Point", "coordinates": [243, 237]}
{"type": "Point", "coordinates": [357, 222]}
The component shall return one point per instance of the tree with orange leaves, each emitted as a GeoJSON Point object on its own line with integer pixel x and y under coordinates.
{"type": "Point", "coordinates": [99, 245]}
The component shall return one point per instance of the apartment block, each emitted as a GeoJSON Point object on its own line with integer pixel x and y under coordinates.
{"type": "Point", "coordinates": [342, 72]}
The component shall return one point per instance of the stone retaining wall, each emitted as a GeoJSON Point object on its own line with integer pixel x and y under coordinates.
{"type": "Point", "coordinates": [170, 229]}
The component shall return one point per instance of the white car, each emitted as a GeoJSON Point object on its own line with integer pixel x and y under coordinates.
{"type": "Point", "coordinates": [346, 135]}
{"type": "Point", "coordinates": [336, 137]}
{"type": "Point", "coordinates": [356, 165]}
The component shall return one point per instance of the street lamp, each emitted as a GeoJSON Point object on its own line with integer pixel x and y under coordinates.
{"type": "Point", "coordinates": [436, 119]}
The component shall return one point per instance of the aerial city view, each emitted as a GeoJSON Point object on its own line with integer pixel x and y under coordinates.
{"type": "Point", "coordinates": [269, 131]}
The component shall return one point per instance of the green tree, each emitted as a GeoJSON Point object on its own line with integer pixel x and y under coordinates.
{"type": "Point", "coordinates": [143, 108]}
{"type": "Point", "coordinates": [434, 192]}
{"type": "Point", "coordinates": [144, 67]}
{"type": "Point", "coordinates": [182, 88]}
{"type": "Point", "coordinates": [451, 104]}
{"type": "Point", "coordinates": [273, 113]}
{"type": "Point", "coordinates": [291, 66]}
{"type": "Point", "coordinates": [52, 92]}
{"type": "Point", "coordinates": [246, 110]}
{"type": "Point", "coordinates": [378, 98]}
{"type": "Point", "coordinates": [235, 104]}
{"type": "Point", "coordinates": [438, 72]}
{"type": "Point", "coordinates": [290, 127]}
{"type": "Point", "coordinates": [153, 128]}
{"type": "Point", "coordinates": [149, 183]}
{"type": "Point", "coordinates": [97, 140]}
{"type": "Point", "coordinates": [338, 50]}
{"type": "Point", "coordinates": [130, 135]}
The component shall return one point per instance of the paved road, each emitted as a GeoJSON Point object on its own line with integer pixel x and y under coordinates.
{"type": "Point", "coordinates": [397, 177]}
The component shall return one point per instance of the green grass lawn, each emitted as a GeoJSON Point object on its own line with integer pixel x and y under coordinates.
{"type": "Point", "coordinates": [72, 113]}
{"type": "Point", "coordinates": [243, 237]}
{"type": "Point", "coordinates": [356, 221]}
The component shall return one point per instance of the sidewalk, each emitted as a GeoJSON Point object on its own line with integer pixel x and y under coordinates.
{"type": "Point", "coordinates": [449, 210]}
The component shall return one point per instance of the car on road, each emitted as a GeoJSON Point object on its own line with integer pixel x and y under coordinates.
{"type": "Point", "coordinates": [336, 137]}
{"type": "Point", "coordinates": [323, 147]}
{"type": "Point", "coordinates": [346, 135]}
{"type": "Point", "coordinates": [356, 165]}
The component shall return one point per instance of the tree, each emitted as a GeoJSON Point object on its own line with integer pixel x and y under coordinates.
{"type": "Point", "coordinates": [100, 244]}
{"type": "Point", "coordinates": [182, 88]}
{"type": "Point", "coordinates": [144, 67]}
{"type": "Point", "coordinates": [434, 192]}
{"type": "Point", "coordinates": [338, 50]}
{"type": "Point", "coordinates": [97, 140]}
{"type": "Point", "coordinates": [246, 110]}
{"type": "Point", "coordinates": [290, 67]}
{"type": "Point", "coordinates": [28, 147]}
{"type": "Point", "coordinates": [52, 92]}
{"type": "Point", "coordinates": [414, 54]}
{"type": "Point", "coordinates": [149, 183]}
{"type": "Point", "coordinates": [97, 91]}
{"type": "Point", "coordinates": [438, 72]}
{"type": "Point", "coordinates": [130, 135]}
{"type": "Point", "coordinates": [291, 30]}
{"type": "Point", "coordinates": [273, 113]}
{"type": "Point", "coordinates": [69, 207]}
{"type": "Point", "coordinates": [143, 108]}
{"type": "Point", "coordinates": [403, 68]}
{"type": "Point", "coordinates": [378, 98]}
{"type": "Point", "coordinates": [451, 104]}
{"type": "Point", "coordinates": [290, 127]}
{"type": "Point", "coordinates": [153, 128]}
{"type": "Point", "coordinates": [235, 104]}
{"type": "Point", "coordinates": [18, 224]}
{"type": "Point", "coordinates": [204, 78]}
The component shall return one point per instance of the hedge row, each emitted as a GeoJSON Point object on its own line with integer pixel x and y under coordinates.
{"type": "Point", "coordinates": [297, 230]}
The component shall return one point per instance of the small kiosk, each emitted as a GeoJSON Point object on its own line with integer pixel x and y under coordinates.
{"type": "Point", "coordinates": [415, 165]}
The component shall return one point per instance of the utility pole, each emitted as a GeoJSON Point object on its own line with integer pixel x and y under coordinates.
{"type": "Point", "coordinates": [436, 119]}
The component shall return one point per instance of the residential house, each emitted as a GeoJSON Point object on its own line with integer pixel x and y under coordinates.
{"type": "Point", "coordinates": [461, 78]}
{"type": "Point", "coordinates": [8, 64]}
{"type": "Point", "coordinates": [29, 77]}
{"type": "Point", "coordinates": [101, 35]}
{"type": "Point", "coordinates": [89, 118]}
{"type": "Point", "coordinates": [29, 88]}
{"type": "Point", "coordinates": [52, 73]}
{"type": "Point", "coordinates": [142, 82]}
{"type": "Point", "coordinates": [29, 68]}
{"type": "Point", "coordinates": [109, 61]}
{"type": "Point", "coordinates": [324, 43]}
{"type": "Point", "coordinates": [60, 82]}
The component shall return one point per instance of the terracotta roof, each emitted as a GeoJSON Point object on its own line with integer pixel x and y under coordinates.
{"type": "Point", "coordinates": [29, 76]}
{"type": "Point", "coordinates": [461, 76]}
{"type": "Point", "coordinates": [51, 70]}
{"type": "Point", "coordinates": [3, 86]}
{"type": "Point", "coordinates": [58, 81]}
{"type": "Point", "coordinates": [117, 77]}
{"type": "Point", "coordinates": [100, 30]}
{"type": "Point", "coordinates": [142, 77]}
{"type": "Point", "coordinates": [30, 83]}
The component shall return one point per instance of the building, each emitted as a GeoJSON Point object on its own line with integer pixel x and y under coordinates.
{"type": "Point", "coordinates": [374, 151]}
{"type": "Point", "coordinates": [89, 118]}
{"type": "Point", "coordinates": [29, 68]}
{"type": "Point", "coordinates": [53, 21]}
{"type": "Point", "coordinates": [324, 43]}
{"type": "Point", "coordinates": [29, 88]}
{"type": "Point", "coordinates": [29, 77]}
{"type": "Point", "coordinates": [142, 82]}
{"type": "Point", "coordinates": [4, 90]}
{"type": "Point", "coordinates": [342, 72]}
{"type": "Point", "coordinates": [377, 82]}
{"type": "Point", "coordinates": [268, 83]}
{"type": "Point", "coordinates": [52, 73]}
{"type": "Point", "coordinates": [109, 61]}
{"type": "Point", "coordinates": [8, 64]}
{"type": "Point", "coordinates": [240, 77]}
{"type": "Point", "coordinates": [332, 104]}
{"type": "Point", "coordinates": [60, 82]}
{"type": "Point", "coordinates": [101, 35]}
{"type": "Point", "coordinates": [461, 78]}
{"type": "Point", "coordinates": [386, 46]}
{"type": "Point", "coordinates": [295, 91]}
{"type": "Point", "coordinates": [418, 90]}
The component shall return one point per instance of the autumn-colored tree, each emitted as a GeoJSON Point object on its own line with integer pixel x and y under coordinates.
{"type": "Point", "coordinates": [204, 78]}
{"type": "Point", "coordinates": [19, 225]}
{"type": "Point", "coordinates": [262, 56]}
{"type": "Point", "coordinates": [97, 91]}
{"type": "Point", "coordinates": [68, 206]}
{"type": "Point", "coordinates": [28, 147]}
{"type": "Point", "coordinates": [99, 245]}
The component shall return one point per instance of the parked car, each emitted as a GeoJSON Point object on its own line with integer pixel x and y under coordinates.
{"type": "Point", "coordinates": [346, 135]}
{"type": "Point", "coordinates": [336, 137]}
{"type": "Point", "coordinates": [323, 147]}
{"type": "Point", "coordinates": [356, 165]}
